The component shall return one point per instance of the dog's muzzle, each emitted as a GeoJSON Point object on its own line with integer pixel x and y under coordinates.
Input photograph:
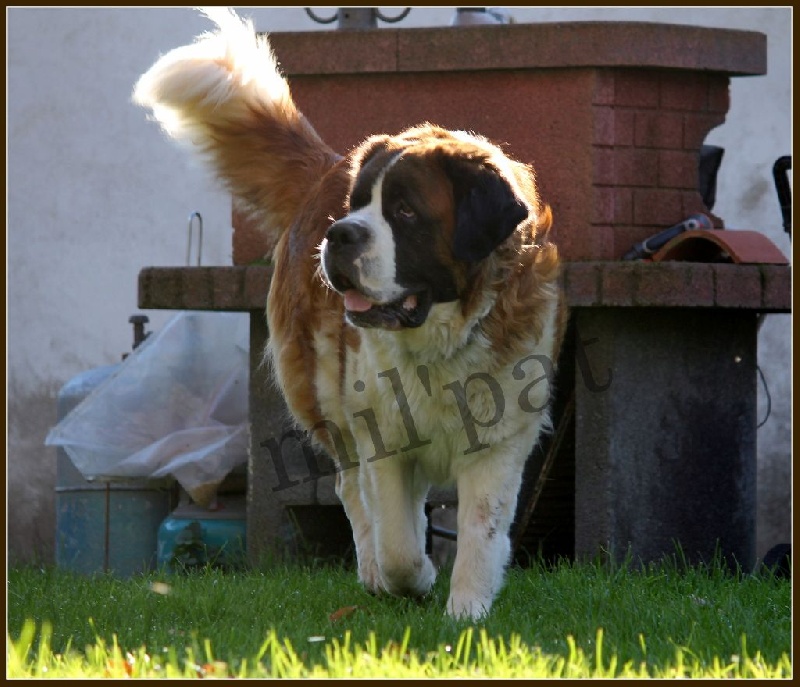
{"type": "Point", "coordinates": [344, 257]}
{"type": "Point", "coordinates": [345, 243]}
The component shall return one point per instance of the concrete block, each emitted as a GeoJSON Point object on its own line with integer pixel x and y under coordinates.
{"type": "Point", "coordinates": [667, 453]}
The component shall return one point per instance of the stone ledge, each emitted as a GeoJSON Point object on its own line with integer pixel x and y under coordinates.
{"type": "Point", "coordinates": [236, 288]}
{"type": "Point", "coordinates": [522, 46]}
{"type": "Point", "coordinates": [762, 288]}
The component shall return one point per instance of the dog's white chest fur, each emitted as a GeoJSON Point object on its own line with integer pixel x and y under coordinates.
{"type": "Point", "coordinates": [441, 412]}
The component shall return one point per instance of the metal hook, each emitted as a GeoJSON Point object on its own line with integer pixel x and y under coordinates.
{"type": "Point", "coordinates": [357, 17]}
{"type": "Point", "coordinates": [199, 238]}
{"type": "Point", "coordinates": [318, 19]}
{"type": "Point", "coordinates": [392, 20]}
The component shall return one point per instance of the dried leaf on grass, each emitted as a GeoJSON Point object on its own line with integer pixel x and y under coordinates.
{"type": "Point", "coordinates": [343, 612]}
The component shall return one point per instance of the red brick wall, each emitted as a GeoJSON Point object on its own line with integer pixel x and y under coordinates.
{"type": "Point", "coordinates": [615, 150]}
{"type": "Point", "coordinates": [649, 127]}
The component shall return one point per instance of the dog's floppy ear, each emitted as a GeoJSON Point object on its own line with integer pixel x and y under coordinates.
{"type": "Point", "coordinates": [368, 149]}
{"type": "Point", "coordinates": [487, 209]}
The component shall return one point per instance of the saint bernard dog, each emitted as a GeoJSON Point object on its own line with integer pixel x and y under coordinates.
{"type": "Point", "coordinates": [414, 310]}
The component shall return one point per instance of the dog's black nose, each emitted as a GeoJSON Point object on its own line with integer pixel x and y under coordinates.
{"type": "Point", "coordinates": [347, 233]}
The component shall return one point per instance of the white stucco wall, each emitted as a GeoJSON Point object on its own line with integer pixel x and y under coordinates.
{"type": "Point", "coordinates": [95, 193]}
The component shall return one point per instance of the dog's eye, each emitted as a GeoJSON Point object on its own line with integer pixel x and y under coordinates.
{"type": "Point", "coordinates": [404, 212]}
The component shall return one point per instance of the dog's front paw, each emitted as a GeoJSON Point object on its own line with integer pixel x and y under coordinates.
{"type": "Point", "coordinates": [369, 575]}
{"type": "Point", "coordinates": [408, 578]}
{"type": "Point", "coordinates": [465, 606]}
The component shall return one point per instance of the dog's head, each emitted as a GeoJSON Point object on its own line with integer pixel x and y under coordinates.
{"type": "Point", "coordinates": [425, 211]}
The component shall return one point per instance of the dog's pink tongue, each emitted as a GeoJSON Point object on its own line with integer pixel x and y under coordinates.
{"type": "Point", "coordinates": [355, 302]}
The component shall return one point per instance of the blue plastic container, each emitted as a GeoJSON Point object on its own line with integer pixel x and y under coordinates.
{"type": "Point", "coordinates": [192, 536]}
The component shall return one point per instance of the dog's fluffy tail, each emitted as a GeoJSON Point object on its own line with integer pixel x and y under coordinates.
{"type": "Point", "coordinates": [225, 95]}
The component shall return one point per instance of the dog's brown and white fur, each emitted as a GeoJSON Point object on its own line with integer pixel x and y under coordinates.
{"type": "Point", "coordinates": [414, 293]}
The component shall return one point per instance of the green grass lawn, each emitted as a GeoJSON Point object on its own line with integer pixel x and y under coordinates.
{"type": "Point", "coordinates": [581, 620]}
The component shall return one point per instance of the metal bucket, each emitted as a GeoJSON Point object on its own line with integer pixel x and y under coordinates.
{"type": "Point", "coordinates": [108, 526]}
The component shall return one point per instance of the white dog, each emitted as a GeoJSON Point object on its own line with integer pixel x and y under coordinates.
{"type": "Point", "coordinates": [412, 336]}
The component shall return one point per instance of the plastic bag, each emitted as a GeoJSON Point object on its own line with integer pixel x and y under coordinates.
{"type": "Point", "coordinates": [176, 407]}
